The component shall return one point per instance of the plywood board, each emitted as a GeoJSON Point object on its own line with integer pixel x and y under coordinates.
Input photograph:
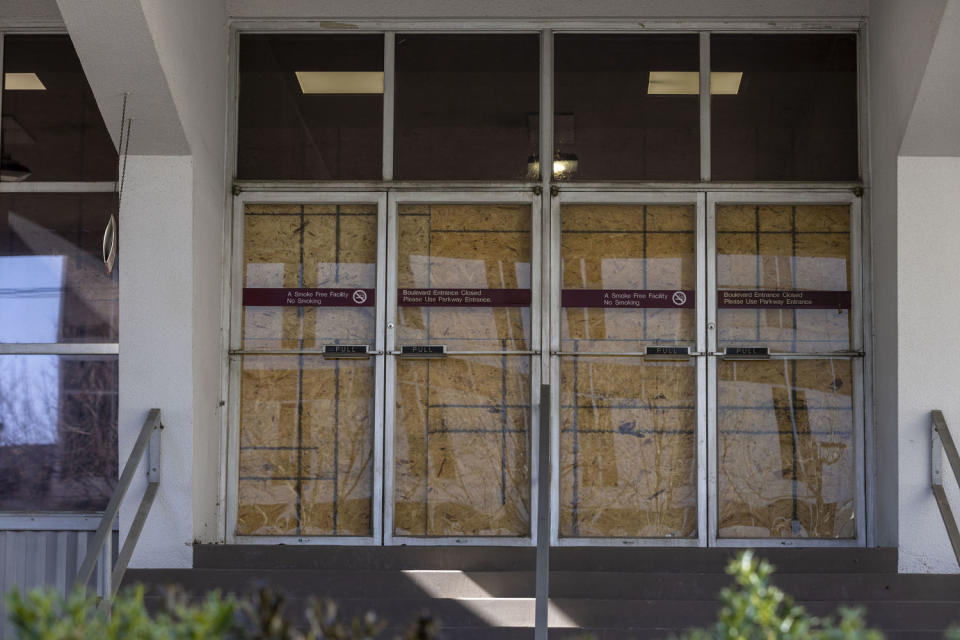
{"type": "Point", "coordinates": [786, 449]}
{"type": "Point", "coordinates": [634, 247]}
{"type": "Point", "coordinates": [627, 448]}
{"type": "Point", "coordinates": [784, 247]}
{"type": "Point", "coordinates": [462, 447]}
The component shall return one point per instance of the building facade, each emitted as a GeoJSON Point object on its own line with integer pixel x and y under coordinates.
{"type": "Point", "coordinates": [352, 281]}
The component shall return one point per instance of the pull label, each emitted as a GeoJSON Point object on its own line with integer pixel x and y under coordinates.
{"type": "Point", "coordinates": [333, 351]}
{"type": "Point", "coordinates": [423, 350]}
{"type": "Point", "coordinates": [666, 353]}
{"type": "Point", "coordinates": [747, 353]}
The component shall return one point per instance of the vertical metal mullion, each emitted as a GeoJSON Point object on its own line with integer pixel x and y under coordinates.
{"type": "Point", "coordinates": [379, 394]}
{"type": "Point", "coordinates": [705, 169]}
{"type": "Point", "coordinates": [703, 464]}
{"type": "Point", "coordinates": [390, 364]}
{"type": "Point", "coordinates": [389, 91]}
{"type": "Point", "coordinates": [711, 373]}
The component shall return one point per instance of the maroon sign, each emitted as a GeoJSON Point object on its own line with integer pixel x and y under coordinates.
{"type": "Point", "coordinates": [463, 297]}
{"type": "Point", "coordinates": [302, 297]}
{"type": "Point", "coordinates": [756, 299]}
{"type": "Point", "coordinates": [628, 298]}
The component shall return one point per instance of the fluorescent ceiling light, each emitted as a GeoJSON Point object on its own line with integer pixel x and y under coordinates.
{"type": "Point", "coordinates": [687, 83]}
{"type": "Point", "coordinates": [22, 82]}
{"type": "Point", "coordinates": [340, 81]}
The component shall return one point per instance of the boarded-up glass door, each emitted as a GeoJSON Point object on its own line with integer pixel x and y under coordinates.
{"type": "Point", "coordinates": [627, 340]}
{"type": "Point", "coordinates": [463, 343]}
{"type": "Point", "coordinates": [307, 368]}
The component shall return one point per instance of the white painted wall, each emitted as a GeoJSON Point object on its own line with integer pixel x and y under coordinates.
{"type": "Point", "coordinates": [156, 346]}
{"type": "Point", "coordinates": [901, 36]}
{"type": "Point", "coordinates": [928, 244]}
{"type": "Point", "coordinates": [191, 40]}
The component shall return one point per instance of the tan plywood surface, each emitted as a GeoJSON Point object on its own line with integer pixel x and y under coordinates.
{"type": "Point", "coordinates": [784, 247]}
{"type": "Point", "coordinates": [786, 449]}
{"type": "Point", "coordinates": [306, 424]}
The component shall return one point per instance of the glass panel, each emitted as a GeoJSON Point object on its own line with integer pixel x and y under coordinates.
{"type": "Point", "coordinates": [786, 451]}
{"type": "Point", "coordinates": [628, 276]}
{"type": "Point", "coordinates": [466, 106]}
{"type": "Point", "coordinates": [311, 107]}
{"type": "Point", "coordinates": [52, 129]}
{"type": "Point", "coordinates": [462, 447]}
{"type": "Point", "coordinates": [53, 284]}
{"type": "Point", "coordinates": [58, 432]}
{"type": "Point", "coordinates": [627, 105]}
{"type": "Point", "coordinates": [783, 277]}
{"type": "Point", "coordinates": [464, 276]}
{"type": "Point", "coordinates": [310, 275]}
{"type": "Point", "coordinates": [306, 446]}
{"type": "Point", "coordinates": [793, 115]}
{"type": "Point", "coordinates": [628, 465]}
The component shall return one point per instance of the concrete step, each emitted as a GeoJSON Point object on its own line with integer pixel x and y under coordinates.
{"type": "Point", "coordinates": [586, 585]}
{"type": "Point", "coordinates": [637, 559]}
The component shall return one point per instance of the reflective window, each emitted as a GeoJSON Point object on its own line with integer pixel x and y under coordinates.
{"type": "Point", "coordinates": [466, 106]}
{"type": "Point", "coordinates": [793, 115]}
{"type": "Point", "coordinates": [626, 106]}
{"type": "Point", "coordinates": [52, 128]}
{"type": "Point", "coordinates": [311, 107]}
{"type": "Point", "coordinates": [53, 284]}
{"type": "Point", "coordinates": [58, 432]}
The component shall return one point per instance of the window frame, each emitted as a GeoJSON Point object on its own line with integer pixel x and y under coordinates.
{"type": "Point", "coordinates": [51, 519]}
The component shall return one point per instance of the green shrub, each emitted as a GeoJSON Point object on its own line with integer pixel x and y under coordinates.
{"type": "Point", "coordinates": [46, 615]}
{"type": "Point", "coordinates": [756, 610]}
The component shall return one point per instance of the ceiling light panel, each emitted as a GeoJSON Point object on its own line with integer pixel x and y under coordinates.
{"type": "Point", "coordinates": [684, 83]}
{"type": "Point", "coordinates": [22, 82]}
{"type": "Point", "coordinates": [340, 82]}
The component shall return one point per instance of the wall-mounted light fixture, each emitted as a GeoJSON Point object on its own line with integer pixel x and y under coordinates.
{"type": "Point", "coordinates": [564, 166]}
{"type": "Point", "coordinates": [340, 82]}
{"type": "Point", "coordinates": [687, 83]}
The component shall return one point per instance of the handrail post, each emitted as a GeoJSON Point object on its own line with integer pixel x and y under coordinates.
{"type": "Point", "coordinates": [941, 442]}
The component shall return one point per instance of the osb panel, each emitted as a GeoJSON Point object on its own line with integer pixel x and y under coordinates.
{"type": "Point", "coordinates": [275, 209]}
{"type": "Point", "coordinates": [464, 246]}
{"type": "Point", "coordinates": [268, 463]}
{"type": "Point", "coordinates": [804, 248]}
{"type": "Point", "coordinates": [618, 217]}
{"type": "Point", "coordinates": [786, 449]}
{"type": "Point", "coordinates": [271, 259]}
{"type": "Point", "coordinates": [479, 217]}
{"type": "Point", "coordinates": [627, 486]}
{"type": "Point", "coordinates": [268, 402]}
{"type": "Point", "coordinates": [334, 426]}
{"type": "Point", "coordinates": [605, 247]}
{"type": "Point", "coordinates": [267, 508]}
{"type": "Point", "coordinates": [627, 448]}
{"type": "Point", "coordinates": [338, 250]}
{"type": "Point", "coordinates": [461, 447]}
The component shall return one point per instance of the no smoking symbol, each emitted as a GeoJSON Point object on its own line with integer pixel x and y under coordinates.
{"type": "Point", "coordinates": [679, 298]}
{"type": "Point", "coordinates": [359, 296]}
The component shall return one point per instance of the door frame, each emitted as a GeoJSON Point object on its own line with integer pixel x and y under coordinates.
{"type": "Point", "coordinates": [856, 355]}
{"type": "Point", "coordinates": [628, 197]}
{"type": "Point", "coordinates": [236, 353]}
{"type": "Point", "coordinates": [520, 195]}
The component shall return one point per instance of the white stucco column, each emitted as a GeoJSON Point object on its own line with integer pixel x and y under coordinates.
{"type": "Point", "coordinates": [156, 346]}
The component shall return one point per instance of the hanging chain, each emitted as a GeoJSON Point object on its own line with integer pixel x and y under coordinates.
{"type": "Point", "coordinates": [123, 172]}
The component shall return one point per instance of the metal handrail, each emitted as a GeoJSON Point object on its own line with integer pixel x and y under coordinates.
{"type": "Point", "coordinates": [942, 442]}
{"type": "Point", "coordinates": [147, 442]}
